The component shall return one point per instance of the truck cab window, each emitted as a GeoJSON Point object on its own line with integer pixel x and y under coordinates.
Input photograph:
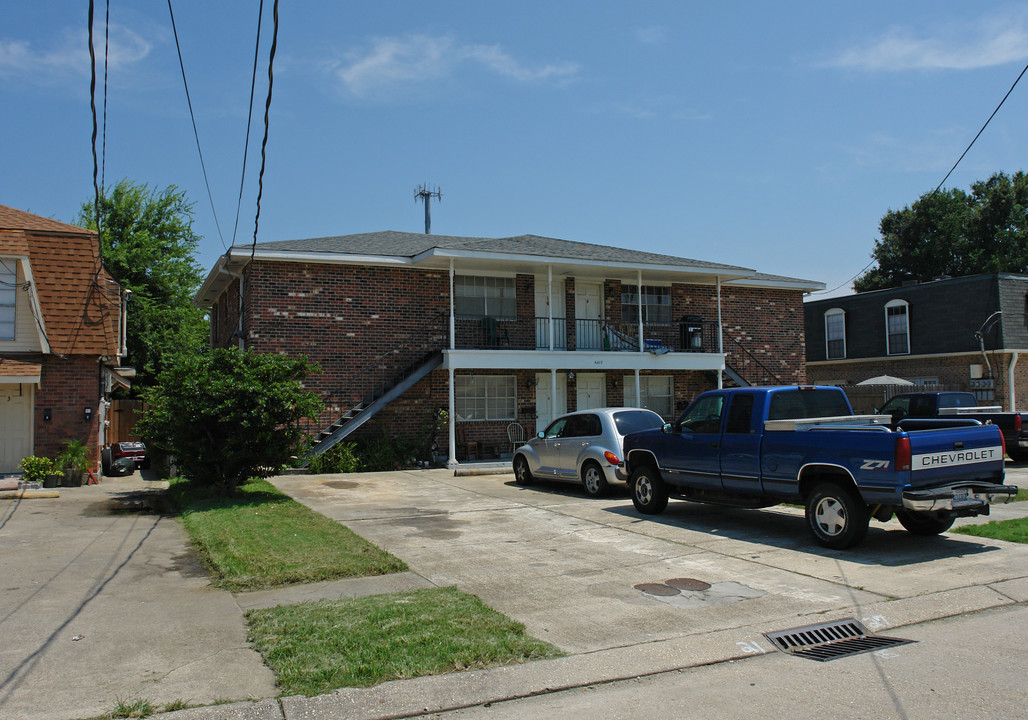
{"type": "Point", "coordinates": [703, 416]}
{"type": "Point", "coordinates": [740, 413]}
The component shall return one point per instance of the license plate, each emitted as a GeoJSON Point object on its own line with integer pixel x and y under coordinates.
{"type": "Point", "coordinates": [960, 494]}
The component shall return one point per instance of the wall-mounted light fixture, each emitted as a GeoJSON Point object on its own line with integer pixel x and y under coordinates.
{"type": "Point", "coordinates": [571, 376]}
{"type": "Point", "coordinates": [87, 414]}
{"type": "Point", "coordinates": [47, 415]}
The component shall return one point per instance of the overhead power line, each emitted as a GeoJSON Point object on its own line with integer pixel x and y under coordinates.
{"type": "Point", "coordinates": [249, 118]}
{"type": "Point", "coordinates": [983, 129]}
{"type": "Point", "coordinates": [267, 109]}
{"type": "Point", "coordinates": [192, 117]}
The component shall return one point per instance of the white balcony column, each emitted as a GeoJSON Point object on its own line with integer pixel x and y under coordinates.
{"type": "Point", "coordinates": [549, 302]}
{"type": "Point", "coordinates": [451, 462]}
{"type": "Point", "coordinates": [638, 389]}
{"type": "Point", "coordinates": [639, 302]}
{"type": "Point", "coordinates": [453, 335]}
{"type": "Point", "coordinates": [720, 337]}
{"type": "Point", "coordinates": [553, 394]}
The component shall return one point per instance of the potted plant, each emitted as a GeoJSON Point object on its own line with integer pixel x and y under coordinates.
{"type": "Point", "coordinates": [74, 460]}
{"type": "Point", "coordinates": [40, 470]}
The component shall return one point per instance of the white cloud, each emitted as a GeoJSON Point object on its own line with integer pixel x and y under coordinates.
{"type": "Point", "coordinates": [68, 58]}
{"type": "Point", "coordinates": [394, 62]}
{"type": "Point", "coordinates": [993, 42]}
{"type": "Point", "coordinates": [652, 35]}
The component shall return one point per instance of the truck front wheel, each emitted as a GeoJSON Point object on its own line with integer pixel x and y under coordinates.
{"type": "Point", "coordinates": [923, 523]}
{"type": "Point", "coordinates": [837, 516]}
{"type": "Point", "coordinates": [649, 493]}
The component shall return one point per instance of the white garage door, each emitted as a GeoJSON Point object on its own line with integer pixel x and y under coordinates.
{"type": "Point", "coordinates": [15, 425]}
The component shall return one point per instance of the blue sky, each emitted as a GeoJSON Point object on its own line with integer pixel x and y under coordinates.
{"type": "Point", "coordinates": [768, 135]}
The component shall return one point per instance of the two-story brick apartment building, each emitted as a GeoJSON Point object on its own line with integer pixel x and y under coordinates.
{"type": "Point", "coordinates": [967, 333]}
{"type": "Point", "coordinates": [505, 330]}
{"type": "Point", "coordinates": [62, 324]}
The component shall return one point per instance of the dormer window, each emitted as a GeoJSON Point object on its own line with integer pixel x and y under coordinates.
{"type": "Point", "coordinates": [897, 328]}
{"type": "Point", "coordinates": [835, 333]}
{"type": "Point", "coordinates": [8, 297]}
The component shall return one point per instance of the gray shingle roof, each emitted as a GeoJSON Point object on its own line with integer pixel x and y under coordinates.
{"type": "Point", "coordinates": [401, 244]}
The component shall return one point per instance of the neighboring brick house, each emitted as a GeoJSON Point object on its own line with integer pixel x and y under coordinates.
{"type": "Point", "coordinates": [61, 337]}
{"type": "Point", "coordinates": [965, 333]}
{"type": "Point", "coordinates": [497, 331]}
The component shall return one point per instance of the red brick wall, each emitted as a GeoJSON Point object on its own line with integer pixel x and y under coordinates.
{"type": "Point", "coordinates": [66, 387]}
{"type": "Point", "coordinates": [767, 323]}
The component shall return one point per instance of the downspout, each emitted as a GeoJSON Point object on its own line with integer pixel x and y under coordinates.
{"type": "Point", "coordinates": [239, 325]}
{"type": "Point", "coordinates": [720, 335]}
{"type": "Point", "coordinates": [1010, 380]}
{"type": "Point", "coordinates": [126, 295]}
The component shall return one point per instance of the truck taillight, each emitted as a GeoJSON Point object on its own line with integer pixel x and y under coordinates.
{"type": "Point", "coordinates": [611, 457]}
{"type": "Point", "coordinates": [1017, 422]}
{"type": "Point", "coordinates": [1003, 439]}
{"type": "Point", "coordinates": [903, 453]}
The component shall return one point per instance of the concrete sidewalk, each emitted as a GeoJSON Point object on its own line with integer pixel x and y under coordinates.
{"type": "Point", "coordinates": [101, 600]}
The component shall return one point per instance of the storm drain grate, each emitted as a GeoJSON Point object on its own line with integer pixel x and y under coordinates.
{"type": "Point", "coordinates": [831, 640]}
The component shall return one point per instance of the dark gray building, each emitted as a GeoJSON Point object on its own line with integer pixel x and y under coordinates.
{"type": "Point", "coordinates": [967, 333]}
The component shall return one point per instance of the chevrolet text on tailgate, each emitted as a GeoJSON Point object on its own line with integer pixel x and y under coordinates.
{"type": "Point", "coordinates": [757, 447]}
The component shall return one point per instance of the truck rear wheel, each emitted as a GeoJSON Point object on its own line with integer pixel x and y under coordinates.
{"type": "Point", "coordinates": [836, 516]}
{"type": "Point", "coordinates": [923, 523]}
{"type": "Point", "coordinates": [649, 493]}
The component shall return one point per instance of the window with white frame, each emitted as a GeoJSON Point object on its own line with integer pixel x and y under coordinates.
{"type": "Point", "coordinates": [656, 303]}
{"type": "Point", "coordinates": [897, 328]}
{"type": "Point", "coordinates": [835, 333]}
{"type": "Point", "coordinates": [485, 397]}
{"type": "Point", "coordinates": [484, 296]}
{"type": "Point", "coordinates": [8, 297]}
{"type": "Point", "coordinates": [657, 393]}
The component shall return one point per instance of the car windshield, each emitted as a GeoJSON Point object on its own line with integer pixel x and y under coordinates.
{"type": "Point", "coordinates": [630, 421]}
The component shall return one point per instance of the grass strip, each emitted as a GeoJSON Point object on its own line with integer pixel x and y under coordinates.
{"type": "Point", "coordinates": [262, 538]}
{"type": "Point", "coordinates": [1015, 530]}
{"type": "Point", "coordinates": [316, 647]}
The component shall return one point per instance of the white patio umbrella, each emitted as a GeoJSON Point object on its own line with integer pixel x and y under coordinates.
{"type": "Point", "coordinates": [885, 380]}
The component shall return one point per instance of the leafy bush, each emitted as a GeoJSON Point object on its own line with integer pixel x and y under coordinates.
{"type": "Point", "coordinates": [229, 415]}
{"type": "Point", "coordinates": [340, 458]}
{"type": "Point", "coordinates": [36, 469]}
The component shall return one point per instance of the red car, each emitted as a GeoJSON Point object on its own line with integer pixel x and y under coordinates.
{"type": "Point", "coordinates": [134, 451]}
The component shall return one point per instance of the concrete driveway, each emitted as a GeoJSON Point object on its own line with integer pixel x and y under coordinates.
{"type": "Point", "coordinates": [589, 575]}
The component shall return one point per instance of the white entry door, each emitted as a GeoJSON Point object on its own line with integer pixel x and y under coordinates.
{"type": "Point", "coordinates": [543, 407]}
{"type": "Point", "coordinates": [592, 390]}
{"type": "Point", "coordinates": [15, 425]}
{"type": "Point", "coordinates": [589, 316]}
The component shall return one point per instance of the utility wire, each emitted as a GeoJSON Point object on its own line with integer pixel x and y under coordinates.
{"type": "Point", "coordinates": [196, 134]}
{"type": "Point", "coordinates": [267, 108]}
{"type": "Point", "coordinates": [983, 128]}
{"type": "Point", "coordinates": [107, 54]}
{"type": "Point", "coordinates": [92, 105]}
{"type": "Point", "coordinates": [937, 187]}
{"type": "Point", "coordinates": [249, 118]}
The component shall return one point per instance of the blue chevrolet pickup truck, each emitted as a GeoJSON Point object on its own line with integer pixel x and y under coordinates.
{"type": "Point", "coordinates": [757, 447]}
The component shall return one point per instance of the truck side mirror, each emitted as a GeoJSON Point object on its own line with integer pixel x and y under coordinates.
{"type": "Point", "coordinates": [665, 428]}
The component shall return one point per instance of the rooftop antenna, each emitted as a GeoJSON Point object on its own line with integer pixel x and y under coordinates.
{"type": "Point", "coordinates": [424, 194]}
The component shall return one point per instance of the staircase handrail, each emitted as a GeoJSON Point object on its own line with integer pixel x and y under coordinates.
{"type": "Point", "coordinates": [754, 358]}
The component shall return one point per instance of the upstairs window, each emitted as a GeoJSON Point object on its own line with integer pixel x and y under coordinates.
{"type": "Point", "coordinates": [484, 296]}
{"type": "Point", "coordinates": [897, 328]}
{"type": "Point", "coordinates": [835, 333]}
{"type": "Point", "coordinates": [656, 303]}
{"type": "Point", "coordinates": [8, 298]}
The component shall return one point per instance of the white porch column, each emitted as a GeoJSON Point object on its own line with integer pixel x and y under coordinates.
{"type": "Point", "coordinates": [452, 460]}
{"type": "Point", "coordinates": [638, 395]}
{"type": "Point", "coordinates": [553, 394]}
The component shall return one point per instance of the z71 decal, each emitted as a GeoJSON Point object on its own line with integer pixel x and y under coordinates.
{"type": "Point", "coordinates": [875, 465]}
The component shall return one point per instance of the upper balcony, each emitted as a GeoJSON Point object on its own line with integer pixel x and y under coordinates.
{"type": "Point", "coordinates": [692, 335]}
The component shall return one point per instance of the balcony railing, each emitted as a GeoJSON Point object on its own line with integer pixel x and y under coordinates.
{"type": "Point", "coordinates": [534, 333]}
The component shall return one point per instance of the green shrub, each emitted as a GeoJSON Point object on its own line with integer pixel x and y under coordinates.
{"type": "Point", "coordinates": [340, 458]}
{"type": "Point", "coordinates": [36, 469]}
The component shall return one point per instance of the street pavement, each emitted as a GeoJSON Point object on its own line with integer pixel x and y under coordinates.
{"type": "Point", "coordinates": [102, 601]}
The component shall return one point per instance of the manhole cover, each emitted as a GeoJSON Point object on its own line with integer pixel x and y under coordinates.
{"type": "Point", "coordinates": [688, 584]}
{"type": "Point", "coordinates": [831, 640]}
{"type": "Point", "coordinates": [657, 589]}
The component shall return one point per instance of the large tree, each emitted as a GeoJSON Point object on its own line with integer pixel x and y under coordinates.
{"type": "Point", "coordinates": [229, 415]}
{"type": "Point", "coordinates": [954, 233]}
{"type": "Point", "coordinates": [147, 242]}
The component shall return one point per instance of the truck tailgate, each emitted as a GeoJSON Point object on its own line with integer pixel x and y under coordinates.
{"type": "Point", "coordinates": [939, 456]}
